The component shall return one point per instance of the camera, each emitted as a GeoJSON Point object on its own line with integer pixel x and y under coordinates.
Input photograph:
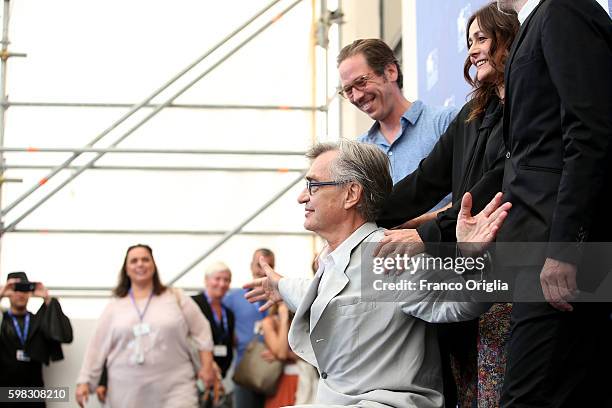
{"type": "Point", "coordinates": [25, 286]}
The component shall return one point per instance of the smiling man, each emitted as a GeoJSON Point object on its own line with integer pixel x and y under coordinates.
{"type": "Point", "coordinates": [405, 131]}
{"type": "Point", "coordinates": [368, 353]}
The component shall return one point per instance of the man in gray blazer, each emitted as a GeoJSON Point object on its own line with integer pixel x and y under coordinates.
{"type": "Point", "coordinates": [368, 353]}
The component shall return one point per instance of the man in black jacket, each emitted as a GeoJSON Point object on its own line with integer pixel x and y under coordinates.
{"type": "Point", "coordinates": [558, 135]}
{"type": "Point", "coordinates": [27, 340]}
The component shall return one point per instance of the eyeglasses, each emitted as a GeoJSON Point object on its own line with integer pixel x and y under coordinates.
{"type": "Point", "coordinates": [312, 186]}
{"type": "Point", "coordinates": [359, 84]}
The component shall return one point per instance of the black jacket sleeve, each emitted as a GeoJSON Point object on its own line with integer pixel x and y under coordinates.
{"type": "Point", "coordinates": [54, 323]}
{"type": "Point", "coordinates": [443, 228]}
{"type": "Point", "coordinates": [418, 192]}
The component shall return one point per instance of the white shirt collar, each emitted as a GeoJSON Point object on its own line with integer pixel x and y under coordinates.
{"type": "Point", "coordinates": [527, 10]}
{"type": "Point", "coordinates": [341, 255]}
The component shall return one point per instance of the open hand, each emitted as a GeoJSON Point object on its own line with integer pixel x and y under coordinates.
{"type": "Point", "coordinates": [480, 230]}
{"type": "Point", "coordinates": [264, 288]}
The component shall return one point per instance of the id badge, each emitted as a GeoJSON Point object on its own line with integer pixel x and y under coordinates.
{"type": "Point", "coordinates": [141, 329]}
{"type": "Point", "coordinates": [220, 351]}
{"type": "Point", "coordinates": [22, 356]}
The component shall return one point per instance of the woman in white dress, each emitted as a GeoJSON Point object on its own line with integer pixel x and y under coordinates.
{"type": "Point", "coordinates": [145, 335]}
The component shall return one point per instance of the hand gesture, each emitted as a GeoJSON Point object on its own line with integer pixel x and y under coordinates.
{"type": "Point", "coordinates": [264, 288]}
{"type": "Point", "coordinates": [558, 281]}
{"type": "Point", "coordinates": [481, 229]}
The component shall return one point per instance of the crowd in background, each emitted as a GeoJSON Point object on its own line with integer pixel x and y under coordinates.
{"type": "Point", "coordinates": [155, 346]}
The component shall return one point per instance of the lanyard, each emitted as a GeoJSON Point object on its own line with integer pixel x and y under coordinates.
{"type": "Point", "coordinates": [140, 315]}
{"type": "Point", "coordinates": [223, 323]}
{"type": "Point", "coordinates": [26, 327]}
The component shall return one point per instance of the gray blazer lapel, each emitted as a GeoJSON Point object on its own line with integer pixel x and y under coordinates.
{"type": "Point", "coordinates": [338, 279]}
{"type": "Point", "coordinates": [303, 310]}
{"type": "Point", "coordinates": [334, 285]}
{"type": "Point", "coordinates": [299, 338]}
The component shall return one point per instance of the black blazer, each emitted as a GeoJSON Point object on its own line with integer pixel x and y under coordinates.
{"type": "Point", "coordinates": [220, 337]}
{"type": "Point", "coordinates": [469, 156]}
{"type": "Point", "coordinates": [558, 131]}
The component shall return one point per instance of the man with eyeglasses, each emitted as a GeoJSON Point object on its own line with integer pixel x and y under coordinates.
{"type": "Point", "coordinates": [369, 352]}
{"type": "Point", "coordinates": [405, 131]}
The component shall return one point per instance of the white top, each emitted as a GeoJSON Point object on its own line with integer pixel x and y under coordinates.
{"type": "Point", "coordinates": [527, 10]}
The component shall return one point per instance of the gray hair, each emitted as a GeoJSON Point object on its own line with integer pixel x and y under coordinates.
{"type": "Point", "coordinates": [216, 267]}
{"type": "Point", "coordinates": [364, 164]}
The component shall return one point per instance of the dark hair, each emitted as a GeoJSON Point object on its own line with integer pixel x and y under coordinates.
{"type": "Point", "coordinates": [502, 28]}
{"type": "Point", "coordinates": [378, 55]}
{"type": "Point", "coordinates": [124, 284]}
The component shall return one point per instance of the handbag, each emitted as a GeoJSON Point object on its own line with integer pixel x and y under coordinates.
{"type": "Point", "coordinates": [256, 374]}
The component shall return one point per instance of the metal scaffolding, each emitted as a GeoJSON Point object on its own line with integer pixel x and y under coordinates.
{"type": "Point", "coordinates": [326, 20]}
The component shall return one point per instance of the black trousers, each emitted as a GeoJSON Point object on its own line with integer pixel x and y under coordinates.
{"type": "Point", "coordinates": [559, 359]}
{"type": "Point", "coordinates": [458, 342]}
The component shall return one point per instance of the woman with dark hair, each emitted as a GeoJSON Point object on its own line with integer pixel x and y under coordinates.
{"type": "Point", "coordinates": [145, 335]}
{"type": "Point", "coordinates": [469, 157]}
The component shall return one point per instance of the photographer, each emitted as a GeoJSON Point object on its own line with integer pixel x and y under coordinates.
{"type": "Point", "coordinates": [28, 340]}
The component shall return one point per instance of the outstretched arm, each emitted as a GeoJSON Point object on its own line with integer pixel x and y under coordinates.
{"type": "Point", "coordinates": [264, 288]}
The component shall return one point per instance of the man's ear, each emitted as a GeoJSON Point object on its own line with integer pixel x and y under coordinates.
{"type": "Point", "coordinates": [354, 192]}
{"type": "Point", "coordinates": [391, 73]}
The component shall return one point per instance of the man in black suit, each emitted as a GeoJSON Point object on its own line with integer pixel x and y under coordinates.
{"type": "Point", "coordinates": [558, 176]}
